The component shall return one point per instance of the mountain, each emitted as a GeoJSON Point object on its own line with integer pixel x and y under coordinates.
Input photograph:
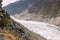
{"type": "Point", "coordinates": [12, 30]}
{"type": "Point", "coordinates": [37, 10]}
{"type": "Point", "coordinates": [17, 29]}
{"type": "Point", "coordinates": [18, 7]}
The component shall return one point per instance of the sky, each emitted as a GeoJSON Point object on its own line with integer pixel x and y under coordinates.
{"type": "Point", "coordinates": [6, 2]}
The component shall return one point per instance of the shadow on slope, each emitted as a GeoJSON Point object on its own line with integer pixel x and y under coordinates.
{"type": "Point", "coordinates": [37, 10]}
{"type": "Point", "coordinates": [45, 7]}
{"type": "Point", "coordinates": [18, 7]}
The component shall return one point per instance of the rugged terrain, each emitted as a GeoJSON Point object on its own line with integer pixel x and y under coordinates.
{"type": "Point", "coordinates": [11, 30]}
{"type": "Point", "coordinates": [37, 10]}
{"type": "Point", "coordinates": [16, 31]}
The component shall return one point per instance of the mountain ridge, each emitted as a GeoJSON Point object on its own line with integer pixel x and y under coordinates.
{"type": "Point", "coordinates": [47, 11]}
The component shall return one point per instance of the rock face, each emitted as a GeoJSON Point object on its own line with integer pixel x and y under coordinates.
{"type": "Point", "coordinates": [11, 30]}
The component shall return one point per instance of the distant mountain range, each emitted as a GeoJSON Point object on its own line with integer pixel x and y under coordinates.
{"type": "Point", "coordinates": [36, 10]}
{"type": "Point", "coordinates": [35, 6]}
{"type": "Point", "coordinates": [19, 6]}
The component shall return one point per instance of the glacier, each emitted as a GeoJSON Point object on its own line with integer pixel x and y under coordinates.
{"type": "Point", "coordinates": [48, 31]}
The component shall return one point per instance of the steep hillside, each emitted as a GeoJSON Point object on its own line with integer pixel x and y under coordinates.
{"type": "Point", "coordinates": [18, 7]}
{"type": "Point", "coordinates": [36, 10]}
{"type": "Point", "coordinates": [11, 30]}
